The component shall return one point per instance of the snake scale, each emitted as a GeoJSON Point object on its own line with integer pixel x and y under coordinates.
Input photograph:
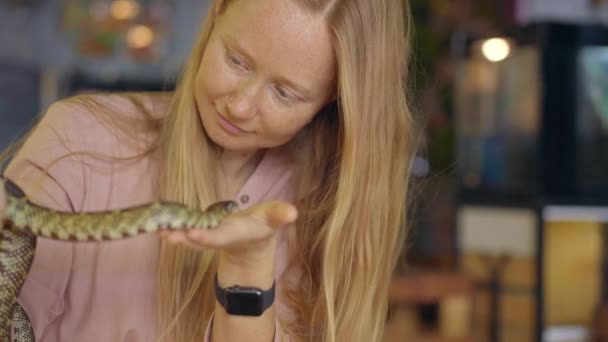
{"type": "Point", "coordinates": [24, 221]}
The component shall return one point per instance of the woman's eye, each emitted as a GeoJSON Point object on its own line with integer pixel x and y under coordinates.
{"type": "Point", "coordinates": [284, 94]}
{"type": "Point", "coordinates": [234, 60]}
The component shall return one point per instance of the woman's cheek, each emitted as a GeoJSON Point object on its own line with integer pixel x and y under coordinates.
{"type": "Point", "coordinates": [286, 128]}
{"type": "Point", "coordinates": [212, 73]}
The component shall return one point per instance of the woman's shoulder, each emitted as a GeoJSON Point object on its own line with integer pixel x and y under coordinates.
{"type": "Point", "coordinates": [124, 105]}
{"type": "Point", "coordinates": [103, 121]}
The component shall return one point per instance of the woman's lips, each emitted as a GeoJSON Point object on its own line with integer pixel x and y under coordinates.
{"type": "Point", "coordinates": [230, 127]}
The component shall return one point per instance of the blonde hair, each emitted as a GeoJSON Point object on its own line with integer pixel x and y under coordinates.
{"type": "Point", "coordinates": [352, 201]}
{"type": "Point", "coordinates": [352, 163]}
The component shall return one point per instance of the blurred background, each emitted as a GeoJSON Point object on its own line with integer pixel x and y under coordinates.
{"type": "Point", "coordinates": [508, 228]}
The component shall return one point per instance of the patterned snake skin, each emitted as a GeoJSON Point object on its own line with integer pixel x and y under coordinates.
{"type": "Point", "coordinates": [24, 221]}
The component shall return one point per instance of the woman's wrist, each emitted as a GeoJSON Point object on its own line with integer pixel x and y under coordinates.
{"type": "Point", "coordinates": [252, 269]}
{"type": "Point", "coordinates": [249, 270]}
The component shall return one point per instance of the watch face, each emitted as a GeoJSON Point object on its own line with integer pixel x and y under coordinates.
{"type": "Point", "coordinates": [244, 301]}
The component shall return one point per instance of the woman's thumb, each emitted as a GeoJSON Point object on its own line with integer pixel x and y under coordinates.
{"type": "Point", "coordinates": [277, 213]}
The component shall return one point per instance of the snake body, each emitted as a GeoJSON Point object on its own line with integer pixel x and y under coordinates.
{"type": "Point", "coordinates": [24, 221]}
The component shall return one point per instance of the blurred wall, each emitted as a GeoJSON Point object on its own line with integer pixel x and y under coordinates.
{"type": "Point", "coordinates": [567, 11]}
{"type": "Point", "coordinates": [36, 57]}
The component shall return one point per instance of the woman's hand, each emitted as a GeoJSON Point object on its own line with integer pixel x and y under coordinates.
{"type": "Point", "coordinates": [243, 236]}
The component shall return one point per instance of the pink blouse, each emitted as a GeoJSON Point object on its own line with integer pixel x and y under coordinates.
{"type": "Point", "coordinates": [105, 291]}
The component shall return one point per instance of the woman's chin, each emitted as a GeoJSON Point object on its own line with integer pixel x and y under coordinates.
{"type": "Point", "coordinates": [229, 143]}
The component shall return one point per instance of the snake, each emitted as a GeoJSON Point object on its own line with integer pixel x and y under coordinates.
{"type": "Point", "coordinates": [25, 221]}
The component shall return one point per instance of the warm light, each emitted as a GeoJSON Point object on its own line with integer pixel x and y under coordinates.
{"type": "Point", "coordinates": [124, 9]}
{"type": "Point", "coordinates": [140, 36]}
{"type": "Point", "coordinates": [496, 49]}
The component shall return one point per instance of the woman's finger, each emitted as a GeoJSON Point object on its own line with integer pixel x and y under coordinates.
{"type": "Point", "coordinates": [274, 213]}
{"type": "Point", "coordinates": [180, 238]}
{"type": "Point", "coordinates": [232, 232]}
{"type": "Point", "coordinates": [248, 226]}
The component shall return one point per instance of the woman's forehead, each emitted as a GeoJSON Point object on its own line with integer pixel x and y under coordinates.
{"type": "Point", "coordinates": [279, 35]}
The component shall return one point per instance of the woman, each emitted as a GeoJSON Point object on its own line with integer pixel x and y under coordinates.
{"type": "Point", "coordinates": [283, 104]}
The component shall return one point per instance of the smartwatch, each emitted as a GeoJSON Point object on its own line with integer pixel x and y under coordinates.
{"type": "Point", "coordinates": [244, 301]}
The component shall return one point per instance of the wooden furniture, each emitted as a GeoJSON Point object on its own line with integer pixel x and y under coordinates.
{"type": "Point", "coordinates": [450, 292]}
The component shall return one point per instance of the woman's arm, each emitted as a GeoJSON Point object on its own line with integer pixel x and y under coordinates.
{"type": "Point", "coordinates": [247, 245]}
{"type": "Point", "coordinates": [51, 177]}
{"type": "Point", "coordinates": [257, 272]}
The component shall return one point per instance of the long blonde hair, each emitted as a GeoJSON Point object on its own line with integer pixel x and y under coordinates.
{"type": "Point", "coordinates": [352, 201]}
{"type": "Point", "coordinates": [352, 163]}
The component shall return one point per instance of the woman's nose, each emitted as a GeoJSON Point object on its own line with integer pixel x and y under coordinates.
{"type": "Point", "coordinates": [242, 104]}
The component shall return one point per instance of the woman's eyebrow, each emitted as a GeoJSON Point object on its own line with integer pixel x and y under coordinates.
{"type": "Point", "coordinates": [302, 91]}
{"type": "Point", "coordinates": [233, 44]}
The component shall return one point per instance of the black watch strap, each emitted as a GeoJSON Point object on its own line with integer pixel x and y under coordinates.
{"type": "Point", "coordinates": [246, 301]}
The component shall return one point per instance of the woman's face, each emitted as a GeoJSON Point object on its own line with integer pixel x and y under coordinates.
{"type": "Point", "coordinates": [268, 68]}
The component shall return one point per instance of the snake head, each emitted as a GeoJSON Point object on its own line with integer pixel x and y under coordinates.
{"type": "Point", "coordinates": [223, 206]}
{"type": "Point", "coordinates": [231, 206]}
{"type": "Point", "coordinates": [13, 189]}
